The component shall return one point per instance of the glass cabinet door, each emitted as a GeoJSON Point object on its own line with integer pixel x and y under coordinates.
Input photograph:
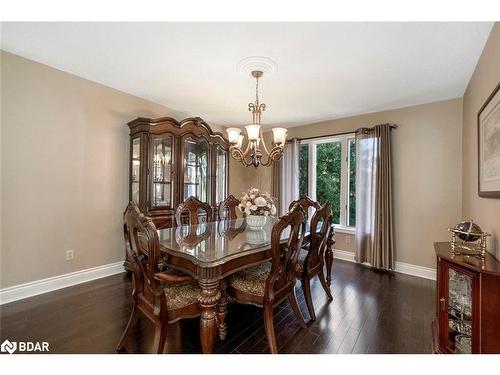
{"type": "Point", "coordinates": [135, 169]}
{"type": "Point", "coordinates": [220, 174]}
{"type": "Point", "coordinates": [196, 179]}
{"type": "Point", "coordinates": [161, 173]}
{"type": "Point", "coordinates": [459, 312]}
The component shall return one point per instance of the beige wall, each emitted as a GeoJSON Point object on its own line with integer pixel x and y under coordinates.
{"type": "Point", "coordinates": [427, 173]}
{"type": "Point", "coordinates": [64, 155]}
{"type": "Point", "coordinates": [486, 212]}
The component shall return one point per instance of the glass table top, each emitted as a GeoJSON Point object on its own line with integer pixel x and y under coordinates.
{"type": "Point", "coordinates": [214, 243]}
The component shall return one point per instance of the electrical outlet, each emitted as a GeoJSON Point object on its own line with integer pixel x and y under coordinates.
{"type": "Point", "coordinates": [69, 255]}
{"type": "Point", "coordinates": [347, 239]}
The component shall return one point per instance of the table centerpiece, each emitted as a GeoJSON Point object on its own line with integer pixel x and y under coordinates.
{"type": "Point", "coordinates": [256, 207]}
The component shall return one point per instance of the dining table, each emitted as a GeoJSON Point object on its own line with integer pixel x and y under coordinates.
{"type": "Point", "coordinates": [211, 251]}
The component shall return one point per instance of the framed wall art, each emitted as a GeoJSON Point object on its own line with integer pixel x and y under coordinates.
{"type": "Point", "coordinates": [488, 136]}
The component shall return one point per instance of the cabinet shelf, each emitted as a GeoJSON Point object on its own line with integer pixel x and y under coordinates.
{"type": "Point", "coordinates": [456, 315]}
{"type": "Point", "coordinates": [162, 182]}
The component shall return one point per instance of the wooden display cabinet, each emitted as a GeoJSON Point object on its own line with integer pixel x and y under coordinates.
{"type": "Point", "coordinates": [171, 161]}
{"type": "Point", "coordinates": [468, 302]}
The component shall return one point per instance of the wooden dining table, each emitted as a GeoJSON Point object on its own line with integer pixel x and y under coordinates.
{"type": "Point", "coordinates": [211, 251]}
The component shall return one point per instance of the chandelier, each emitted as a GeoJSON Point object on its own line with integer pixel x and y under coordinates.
{"type": "Point", "coordinates": [252, 155]}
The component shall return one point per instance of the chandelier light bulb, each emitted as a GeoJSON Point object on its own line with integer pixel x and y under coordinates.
{"type": "Point", "coordinates": [253, 132]}
{"type": "Point", "coordinates": [279, 135]}
{"type": "Point", "coordinates": [233, 134]}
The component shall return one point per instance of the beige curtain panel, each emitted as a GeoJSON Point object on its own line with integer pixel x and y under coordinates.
{"type": "Point", "coordinates": [374, 213]}
{"type": "Point", "coordinates": [289, 176]}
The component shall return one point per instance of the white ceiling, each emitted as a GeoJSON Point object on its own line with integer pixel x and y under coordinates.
{"type": "Point", "coordinates": [325, 70]}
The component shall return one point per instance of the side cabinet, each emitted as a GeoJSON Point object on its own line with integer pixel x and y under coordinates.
{"type": "Point", "coordinates": [458, 303]}
{"type": "Point", "coordinates": [467, 304]}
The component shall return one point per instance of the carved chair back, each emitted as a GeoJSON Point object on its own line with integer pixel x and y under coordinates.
{"type": "Point", "coordinates": [284, 255]}
{"type": "Point", "coordinates": [193, 206]}
{"type": "Point", "coordinates": [143, 247]}
{"type": "Point", "coordinates": [227, 208]}
{"type": "Point", "coordinates": [320, 228]}
{"type": "Point", "coordinates": [306, 203]}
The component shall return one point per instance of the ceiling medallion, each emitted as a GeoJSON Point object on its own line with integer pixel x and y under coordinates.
{"type": "Point", "coordinates": [255, 138]}
{"type": "Point", "coordinates": [254, 63]}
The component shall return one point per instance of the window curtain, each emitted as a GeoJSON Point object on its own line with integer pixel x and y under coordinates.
{"type": "Point", "coordinates": [286, 176]}
{"type": "Point", "coordinates": [374, 215]}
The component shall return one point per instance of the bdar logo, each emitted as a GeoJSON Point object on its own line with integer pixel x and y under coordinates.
{"type": "Point", "coordinates": [8, 346]}
{"type": "Point", "coordinates": [24, 346]}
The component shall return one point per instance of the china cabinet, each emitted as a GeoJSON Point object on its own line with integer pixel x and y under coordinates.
{"type": "Point", "coordinates": [468, 302]}
{"type": "Point", "coordinates": [171, 161]}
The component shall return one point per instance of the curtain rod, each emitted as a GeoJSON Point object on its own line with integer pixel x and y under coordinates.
{"type": "Point", "coordinates": [393, 126]}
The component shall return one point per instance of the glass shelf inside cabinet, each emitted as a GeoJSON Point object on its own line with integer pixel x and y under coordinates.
{"type": "Point", "coordinates": [162, 171]}
{"type": "Point", "coordinates": [195, 169]}
{"type": "Point", "coordinates": [136, 164]}
{"type": "Point", "coordinates": [459, 312]}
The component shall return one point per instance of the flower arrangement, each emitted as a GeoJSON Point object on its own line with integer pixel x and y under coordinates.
{"type": "Point", "coordinates": [253, 202]}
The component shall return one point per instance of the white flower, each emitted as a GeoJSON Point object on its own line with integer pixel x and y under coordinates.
{"type": "Point", "coordinates": [253, 208]}
{"type": "Point", "coordinates": [252, 196]}
{"type": "Point", "coordinates": [266, 213]}
{"type": "Point", "coordinates": [260, 202]}
{"type": "Point", "coordinates": [273, 210]}
{"type": "Point", "coordinates": [247, 211]}
{"type": "Point", "coordinates": [249, 204]}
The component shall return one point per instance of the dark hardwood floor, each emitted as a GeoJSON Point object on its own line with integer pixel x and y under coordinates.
{"type": "Point", "coordinates": [371, 313]}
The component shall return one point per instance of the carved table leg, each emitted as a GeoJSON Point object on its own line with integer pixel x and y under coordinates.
{"type": "Point", "coordinates": [208, 299]}
{"type": "Point", "coordinates": [329, 257]}
{"type": "Point", "coordinates": [221, 311]}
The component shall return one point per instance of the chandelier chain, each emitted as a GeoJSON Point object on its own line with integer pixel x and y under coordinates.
{"type": "Point", "coordinates": [257, 92]}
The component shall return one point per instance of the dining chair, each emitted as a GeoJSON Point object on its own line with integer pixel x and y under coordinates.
{"type": "Point", "coordinates": [311, 261]}
{"type": "Point", "coordinates": [269, 283]}
{"type": "Point", "coordinates": [227, 208]}
{"type": "Point", "coordinates": [193, 206]}
{"type": "Point", "coordinates": [163, 297]}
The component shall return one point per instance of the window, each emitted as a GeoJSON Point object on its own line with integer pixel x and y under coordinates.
{"type": "Point", "coordinates": [328, 173]}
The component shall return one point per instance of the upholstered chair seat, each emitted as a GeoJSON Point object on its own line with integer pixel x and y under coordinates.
{"type": "Point", "coordinates": [252, 280]}
{"type": "Point", "coordinates": [181, 295]}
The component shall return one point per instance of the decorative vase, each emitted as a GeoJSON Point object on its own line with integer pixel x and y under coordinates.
{"type": "Point", "coordinates": [256, 222]}
{"type": "Point", "coordinates": [256, 237]}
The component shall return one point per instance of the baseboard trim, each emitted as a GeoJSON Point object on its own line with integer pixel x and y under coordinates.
{"type": "Point", "coordinates": [401, 267]}
{"type": "Point", "coordinates": [17, 292]}
{"type": "Point", "coordinates": [414, 270]}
